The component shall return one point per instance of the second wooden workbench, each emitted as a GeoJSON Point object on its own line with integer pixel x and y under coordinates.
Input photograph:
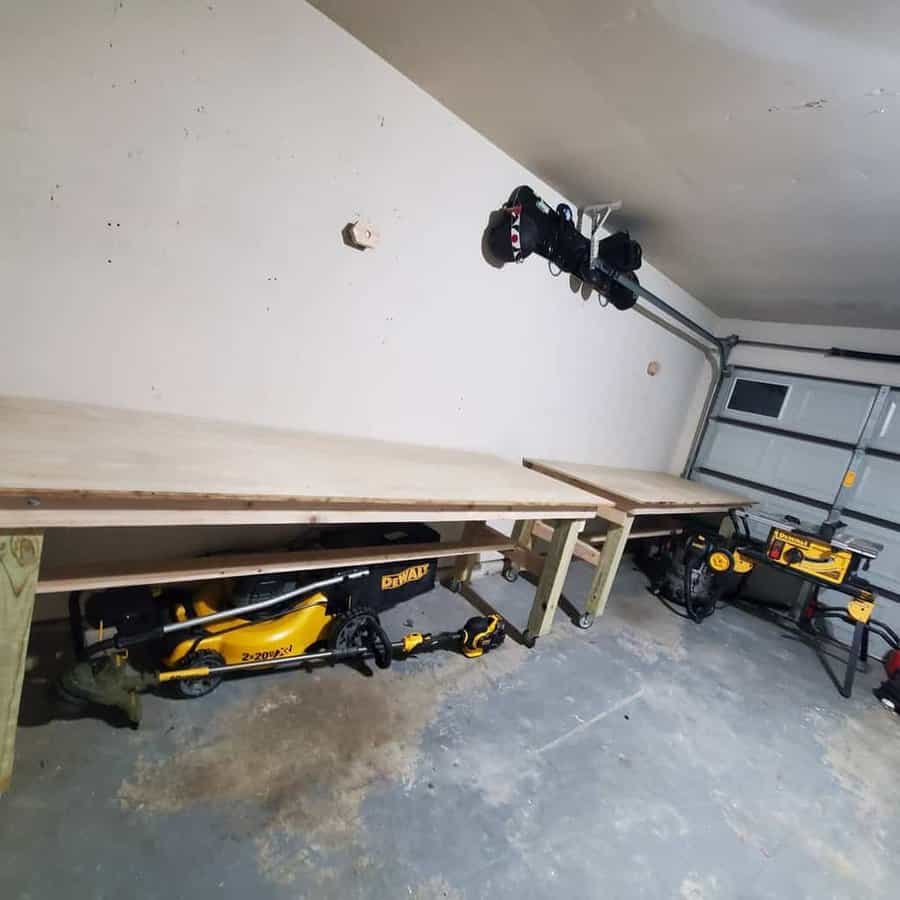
{"type": "Point", "coordinates": [623, 495]}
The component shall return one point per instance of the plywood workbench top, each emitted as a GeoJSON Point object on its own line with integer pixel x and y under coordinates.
{"type": "Point", "coordinates": [72, 459]}
{"type": "Point", "coordinates": [637, 486]}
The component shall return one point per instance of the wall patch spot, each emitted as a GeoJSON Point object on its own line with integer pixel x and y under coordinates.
{"type": "Point", "coordinates": [810, 104]}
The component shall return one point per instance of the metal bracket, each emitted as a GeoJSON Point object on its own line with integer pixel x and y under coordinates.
{"type": "Point", "coordinates": [598, 213]}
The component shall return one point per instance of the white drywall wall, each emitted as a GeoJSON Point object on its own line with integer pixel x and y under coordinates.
{"type": "Point", "coordinates": [175, 180]}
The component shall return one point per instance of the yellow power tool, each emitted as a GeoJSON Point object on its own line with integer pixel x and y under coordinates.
{"type": "Point", "coordinates": [293, 628]}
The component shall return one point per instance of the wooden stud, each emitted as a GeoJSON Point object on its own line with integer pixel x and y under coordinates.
{"type": "Point", "coordinates": [20, 557]}
{"type": "Point", "coordinates": [526, 560]}
{"type": "Point", "coordinates": [556, 567]}
{"type": "Point", "coordinates": [522, 533]}
{"type": "Point", "coordinates": [522, 556]}
{"type": "Point", "coordinates": [616, 539]}
{"type": "Point", "coordinates": [462, 572]}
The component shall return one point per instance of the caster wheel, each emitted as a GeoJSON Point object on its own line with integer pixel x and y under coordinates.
{"type": "Point", "coordinates": [528, 640]}
{"type": "Point", "coordinates": [586, 621]}
{"type": "Point", "coordinates": [510, 573]}
{"type": "Point", "coordinates": [190, 688]}
{"type": "Point", "coordinates": [454, 585]}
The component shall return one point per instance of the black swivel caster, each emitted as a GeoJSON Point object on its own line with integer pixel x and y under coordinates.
{"type": "Point", "coordinates": [510, 572]}
{"type": "Point", "coordinates": [586, 620]}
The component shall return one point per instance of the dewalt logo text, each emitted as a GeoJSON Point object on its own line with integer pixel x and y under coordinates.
{"type": "Point", "coordinates": [413, 573]}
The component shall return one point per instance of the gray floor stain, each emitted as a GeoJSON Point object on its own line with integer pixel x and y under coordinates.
{"type": "Point", "coordinates": [699, 887]}
{"type": "Point", "coordinates": [854, 750]}
{"type": "Point", "coordinates": [299, 762]}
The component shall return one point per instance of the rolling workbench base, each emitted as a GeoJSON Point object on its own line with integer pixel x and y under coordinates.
{"type": "Point", "coordinates": [550, 570]}
{"type": "Point", "coordinates": [553, 577]}
{"type": "Point", "coordinates": [617, 536]}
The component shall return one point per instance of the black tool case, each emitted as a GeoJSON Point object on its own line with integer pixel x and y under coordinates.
{"type": "Point", "coordinates": [388, 583]}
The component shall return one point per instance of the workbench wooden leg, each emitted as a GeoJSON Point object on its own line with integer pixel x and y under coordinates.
{"type": "Point", "coordinates": [522, 533]}
{"type": "Point", "coordinates": [616, 538]}
{"type": "Point", "coordinates": [556, 567]}
{"type": "Point", "coordinates": [462, 570]}
{"type": "Point", "coordinates": [20, 557]}
{"type": "Point", "coordinates": [523, 539]}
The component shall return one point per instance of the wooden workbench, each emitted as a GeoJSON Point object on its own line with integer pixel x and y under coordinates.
{"type": "Point", "coordinates": [623, 496]}
{"type": "Point", "coordinates": [64, 465]}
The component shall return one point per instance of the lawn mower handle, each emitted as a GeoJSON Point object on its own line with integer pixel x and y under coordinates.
{"type": "Point", "coordinates": [120, 642]}
{"type": "Point", "coordinates": [172, 627]}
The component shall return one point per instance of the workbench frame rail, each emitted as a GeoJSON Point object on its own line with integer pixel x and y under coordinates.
{"type": "Point", "coordinates": [477, 538]}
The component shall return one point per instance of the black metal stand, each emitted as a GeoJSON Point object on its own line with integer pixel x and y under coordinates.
{"type": "Point", "coordinates": [857, 651]}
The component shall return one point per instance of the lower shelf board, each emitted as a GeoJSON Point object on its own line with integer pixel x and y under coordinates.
{"type": "Point", "coordinates": [479, 539]}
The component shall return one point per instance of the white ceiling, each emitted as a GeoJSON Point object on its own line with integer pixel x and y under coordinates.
{"type": "Point", "coordinates": [755, 143]}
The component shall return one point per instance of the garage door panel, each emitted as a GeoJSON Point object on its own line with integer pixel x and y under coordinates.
{"type": "Point", "coordinates": [820, 408]}
{"type": "Point", "coordinates": [877, 490]}
{"type": "Point", "coordinates": [887, 431]}
{"type": "Point", "coordinates": [787, 464]}
{"type": "Point", "coordinates": [779, 506]}
{"type": "Point", "coordinates": [767, 453]}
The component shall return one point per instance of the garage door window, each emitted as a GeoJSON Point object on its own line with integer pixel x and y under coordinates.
{"type": "Point", "coordinates": [761, 398]}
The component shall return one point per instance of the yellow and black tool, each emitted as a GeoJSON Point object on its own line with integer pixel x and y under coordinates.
{"type": "Point", "coordinates": [808, 555]}
{"type": "Point", "coordinates": [478, 636]}
{"type": "Point", "coordinates": [824, 557]}
{"type": "Point", "coordinates": [292, 628]}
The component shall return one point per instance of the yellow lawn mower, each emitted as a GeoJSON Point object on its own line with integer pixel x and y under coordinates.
{"type": "Point", "coordinates": [189, 642]}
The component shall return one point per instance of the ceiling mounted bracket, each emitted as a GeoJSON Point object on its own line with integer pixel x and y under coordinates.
{"type": "Point", "coordinates": [598, 213]}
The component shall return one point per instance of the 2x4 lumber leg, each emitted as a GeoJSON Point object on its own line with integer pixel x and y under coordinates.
{"type": "Point", "coordinates": [462, 570]}
{"type": "Point", "coordinates": [522, 537]}
{"type": "Point", "coordinates": [20, 558]}
{"type": "Point", "coordinates": [522, 533]}
{"type": "Point", "coordinates": [616, 538]}
{"type": "Point", "coordinates": [556, 567]}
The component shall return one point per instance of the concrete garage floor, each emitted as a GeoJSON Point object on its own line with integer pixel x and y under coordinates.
{"type": "Point", "coordinates": [647, 757]}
